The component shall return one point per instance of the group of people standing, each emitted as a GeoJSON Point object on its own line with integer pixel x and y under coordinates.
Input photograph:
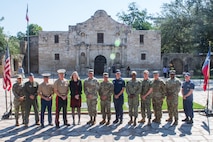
{"type": "Point", "coordinates": [146, 90]}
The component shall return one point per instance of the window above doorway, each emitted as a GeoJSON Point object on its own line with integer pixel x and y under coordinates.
{"type": "Point", "coordinates": [100, 37]}
{"type": "Point", "coordinates": [143, 56]}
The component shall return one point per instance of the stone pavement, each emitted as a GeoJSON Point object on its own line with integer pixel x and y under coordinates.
{"type": "Point", "coordinates": [198, 132]}
{"type": "Point", "coordinates": [201, 130]}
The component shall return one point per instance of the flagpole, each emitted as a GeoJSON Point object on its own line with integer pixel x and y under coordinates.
{"type": "Point", "coordinates": [6, 89]}
{"type": "Point", "coordinates": [28, 42]}
{"type": "Point", "coordinates": [208, 113]}
{"type": "Point", "coordinates": [28, 48]}
{"type": "Point", "coordinates": [6, 100]}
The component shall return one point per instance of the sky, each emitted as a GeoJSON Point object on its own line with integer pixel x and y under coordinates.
{"type": "Point", "coordinates": [57, 15]}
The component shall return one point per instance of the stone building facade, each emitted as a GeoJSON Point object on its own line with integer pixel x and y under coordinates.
{"type": "Point", "coordinates": [100, 43]}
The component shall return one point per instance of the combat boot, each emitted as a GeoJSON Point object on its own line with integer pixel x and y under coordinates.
{"type": "Point", "coordinates": [102, 122]}
{"type": "Point", "coordinates": [156, 120]}
{"type": "Point", "coordinates": [17, 124]}
{"type": "Point", "coordinates": [93, 121]}
{"type": "Point", "coordinates": [108, 122]}
{"type": "Point", "coordinates": [89, 122]}
{"type": "Point", "coordinates": [130, 122]}
{"type": "Point", "coordinates": [134, 124]}
{"type": "Point", "coordinates": [142, 120]}
{"type": "Point", "coordinates": [149, 122]}
{"type": "Point", "coordinates": [169, 119]}
{"type": "Point", "coordinates": [175, 123]}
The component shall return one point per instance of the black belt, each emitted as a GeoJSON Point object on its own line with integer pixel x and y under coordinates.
{"type": "Point", "coordinates": [46, 96]}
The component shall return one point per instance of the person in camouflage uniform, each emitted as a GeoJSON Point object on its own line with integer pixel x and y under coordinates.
{"type": "Point", "coordinates": [146, 100]}
{"type": "Point", "coordinates": [91, 86]}
{"type": "Point", "coordinates": [30, 91]}
{"type": "Point", "coordinates": [158, 91]}
{"type": "Point", "coordinates": [106, 90]}
{"type": "Point", "coordinates": [133, 89]}
{"type": "Point", "coordinates": [19, 99]}
{"type": "Point", "coordinates": [173, 85]}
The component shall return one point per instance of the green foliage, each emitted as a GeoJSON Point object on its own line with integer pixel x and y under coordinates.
{"type": "Point", "coordinates": [21, 35]}
{"type": "Point", "coordinates": [2, 40]}
{"type": "Point", "coordinates": [186, 26]}
{"type": "Point", "coordinates": [136, 18]}
{"type": "Point", "coordinates": [13, 44]}
{"type": "Point", "coordinates": [34, 29]}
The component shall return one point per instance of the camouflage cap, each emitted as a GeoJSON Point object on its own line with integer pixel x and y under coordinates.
{"type": "Point", "coordinates": [105, 74]}
{"type": "Point", "coordinates": [146, 72]}
{"type": "Point", "coordinates": [155, 72]}
{"type": "Point", "coordinates": [172, 72]}
{"type": "Point", "coordinates": [90, 70]}
{"type": "Point", "coordinates": [19, 76]}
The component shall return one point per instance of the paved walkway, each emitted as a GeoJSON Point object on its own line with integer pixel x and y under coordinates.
{"type": "Point", "coordinates": [199, 131]}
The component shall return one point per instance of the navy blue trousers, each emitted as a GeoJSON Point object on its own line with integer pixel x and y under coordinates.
{"type": "Point", "coordinates": [188, 108]}
{"type": "Point", "coordinates": [46, 104]}
{"type": "Point", "coordinates": [118, 103]}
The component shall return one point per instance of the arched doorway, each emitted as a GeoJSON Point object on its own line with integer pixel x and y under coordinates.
{"type": "Point", "coordinates": [100, 62]}
{"type": "Point", "coordinates": [178, 65]}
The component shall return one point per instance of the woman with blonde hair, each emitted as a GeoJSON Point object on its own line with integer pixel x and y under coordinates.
{"type": "Point", "coordinates": [75, 86]}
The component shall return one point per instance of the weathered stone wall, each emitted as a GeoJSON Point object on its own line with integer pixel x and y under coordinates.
{"type": "Point", "coordinates": [78, 47]}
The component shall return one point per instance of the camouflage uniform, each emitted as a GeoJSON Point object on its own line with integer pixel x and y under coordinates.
{"type": "Point", "coordinates": [172, 90]}
{"type": "Point", "coordinates": [106, 89]}
{"type": "Point", "coordinates": [91, 87]}
{"type": "Point", "coordinates": [133, 89]}
{"type": "Point", "coordinates": [31, 88]}
{"type": "Point", "coordinates": [18, 92]}
{"type": "Point", "coordinates": [158, 95]}
{"type": "Point", "coordinates": [146, 104]}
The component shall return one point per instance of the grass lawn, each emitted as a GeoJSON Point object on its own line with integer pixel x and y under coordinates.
{"type": "Point", "coordinates": [83, 109]}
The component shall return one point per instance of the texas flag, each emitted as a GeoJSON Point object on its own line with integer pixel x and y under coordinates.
{"type": "Point", "coordinates": [206, 69]}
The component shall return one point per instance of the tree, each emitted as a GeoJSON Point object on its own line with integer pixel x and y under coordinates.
{"type": "Point", "coordinates": [13, 44]}
{"type": "Point", "coordinates": [21, 35]}
{"type": "Point", "coordinates": [186, 26]}
{"type": "Point", "coordinates": [34, 29]}
{"type": "Point", "coordinates": [136, 18]}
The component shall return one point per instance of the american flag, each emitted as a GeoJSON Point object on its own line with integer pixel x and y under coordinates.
{"type": "Point", "coordinates": [27, 17]}
{"type": "Point", "coordinates": [7, 72]}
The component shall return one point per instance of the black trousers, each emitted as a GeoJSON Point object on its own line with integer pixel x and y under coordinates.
{"type": "Point", "coordinates": [60, 103]}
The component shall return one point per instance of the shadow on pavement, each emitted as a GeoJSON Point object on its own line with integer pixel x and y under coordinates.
{"type": "Point", "coordinates": [185, 129]}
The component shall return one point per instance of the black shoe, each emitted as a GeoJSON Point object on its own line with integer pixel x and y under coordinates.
{"type": "Point", "coordinates": [37, 123]}
{"type": "Point", "coordinates": [190, 121]}
{"type": "Point", "coordinates": [57, 126]}
{"type": "Point", "coordinates": [42, 125]}
{"type": "Point", "coordinates": [67, 124]}
{"type": "Point", "coordinates": [116, 121]}
{"type": "Point", "coordinates": [186, 119]}
{"type": "Point", "coordinates": [50, 124]}
{"type": "Point", "coordinates": [121, 121]}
